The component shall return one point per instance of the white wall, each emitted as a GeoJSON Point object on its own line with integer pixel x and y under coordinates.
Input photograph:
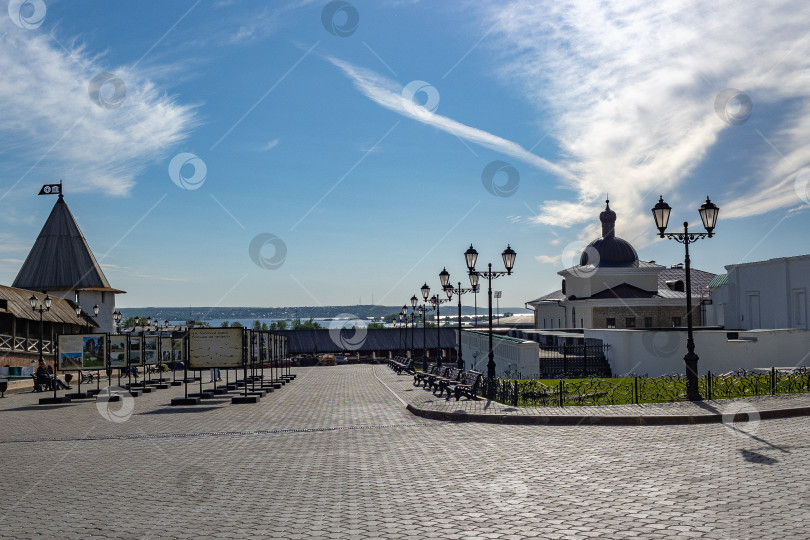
{"type": "Point", "coordinates": [658, 353]}
{"type": "Point", "coordinates": [779, 286]}
{"type": "Point", "coordinates": [511, 354]}
{"type": "Point", "coordinates": [88, 299]}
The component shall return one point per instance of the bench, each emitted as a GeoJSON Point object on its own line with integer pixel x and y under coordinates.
{"type": "Point", "coordinates": [419, 377]}
{"type": "Point", "coordinates": [442, 384]}
{"type": "Point", "coordinates": [467, 385]}
{"type": "Point", "coordinates": [403, 365]}
{"type": "Point", "coordinates": [44, 386]}
{"type": "Point", "coordinates": [432, 379]}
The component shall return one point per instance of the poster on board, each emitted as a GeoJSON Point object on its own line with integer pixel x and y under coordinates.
{"type": "Point", "coordinates": [215, 347]}
{"type": "Point", "coordinates": [150, 344]}
{"type": "Point", "coordinates": [135, 356]}
{"type": "Point", "coordinates": [118, 351]}
{"type": "Point", "coordinates": [165, 350]}
{"type": "Point", "coordinates": [177, 349]}
{"type": "Point", "coordinates": [82, 351]}
{"type": "Point", "coordinates": [94, 351]}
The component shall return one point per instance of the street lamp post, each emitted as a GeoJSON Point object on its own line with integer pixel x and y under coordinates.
{"type": "Point", "coordinates": [471, 257]}
{"type": "Point", "coordinates": [437, 301]}
{"type": "Point", "coordinates": [459, 291]}
{"type": "Point", "coordinates": [404, 312]}
{"type": "Point", "coordinates": [414, 303]}
{"type": "Point", "coordinates": [425, 292]}
{"type": "Point", "coordinates": [117, 315]}
{"type": "Point", "coordinates": [42, 308]}
{"type": "Point", "coordinates": [708, 214]}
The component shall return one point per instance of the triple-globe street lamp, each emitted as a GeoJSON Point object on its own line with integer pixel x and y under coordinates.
{"type": "Point", "coordinates": [445, 277]}
{"type": "Point", "coordinates": [708, 214]}
{"type": "Point", "coordinates": [471, 257]}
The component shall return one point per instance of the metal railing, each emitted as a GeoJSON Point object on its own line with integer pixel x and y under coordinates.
{"type": "Point", "coordinates": [635, 390]}
{"type": "Point", "coordinates": [24, 345]}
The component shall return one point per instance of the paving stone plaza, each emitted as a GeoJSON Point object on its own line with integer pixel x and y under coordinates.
{"type": "Point", "coordinates": [335, 454]}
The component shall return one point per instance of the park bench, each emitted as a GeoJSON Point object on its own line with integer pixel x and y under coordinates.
{"type": "Point", "coordinates": [441, 384]}
{"type": "Point", "coordinates": [420, 376]}
{"type": "Point", "coordinates": [433, 378]}
{"type": "Point", "coordinates": [407, 367]}
{"type": "Point", "coordinates": [467, 385]}
{"type": "Point", "coordinates": [44, 386]}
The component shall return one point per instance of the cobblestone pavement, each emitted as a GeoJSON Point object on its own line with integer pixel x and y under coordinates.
{"type": "Point", "coordinates": [336, 455]}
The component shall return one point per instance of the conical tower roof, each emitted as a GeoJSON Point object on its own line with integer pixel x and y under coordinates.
{"type": "Point", "coordinates": [61, 258]}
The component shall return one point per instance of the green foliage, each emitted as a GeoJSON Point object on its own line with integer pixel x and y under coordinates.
{"type": "Point", "coordinates": [236, 324]}
{"type": "Point", "coordinates": [375, 325]}
{"type": "Point", "coordinates": [297, 324]}
{"type": "Point", "coordinates": [278, 325]}
{"type": "Point", "coordinates": [225, 324]}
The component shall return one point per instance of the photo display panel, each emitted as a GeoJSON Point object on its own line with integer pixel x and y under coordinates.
{"type": "Point", "coordinates": [215, 347]}
{"type": "Point", "coordinates": [82, 351]}
{"type": "Point", "coordinates": [135, 356]}
{"type": "Point", "coordinates": [118, 351]}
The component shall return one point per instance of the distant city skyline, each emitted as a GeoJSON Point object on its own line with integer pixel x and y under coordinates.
{"type": "Point", "coordinates": [318, 153]}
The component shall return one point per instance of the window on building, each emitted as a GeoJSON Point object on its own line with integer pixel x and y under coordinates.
{"type": "Point", "coordinates": [544, 322]}
{"type": "Point", "coordinates": [676, 321]}
{"type": "Point", "coordinates": [610, 322]}
{"type": "Point", "coordinates": [630, 322]}
{"type": "Point", "coordinates": [581, 322]}
{"type": "Point", "coordinates": [647, 322]}
{"type": "Point", "coordinates": [559, 323]}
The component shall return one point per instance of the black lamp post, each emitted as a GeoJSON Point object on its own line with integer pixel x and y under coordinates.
{"type": "Point", "coordinates": [437, 301]}
{"type": "Point", "coordinates": [41, 308]}
{"type": "Point", "coordinates": [414, 303]}
{"type": "Point", "coordinates": [425, 292]}
{"type": "Point", "coordinates": [404, 312]}
{"type": "Point", "coordinates": [398, 320]}
{"type": "Point", "coordinates": [471, 257]}
{"type": "Point", "coordinates": [117, 318]}
{"type": "Point", "coordinates": [459, 291]}
{"type": "Point", "coordinates": [708, 214]}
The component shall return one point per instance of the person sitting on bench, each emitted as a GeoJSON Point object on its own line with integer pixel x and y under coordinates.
{"type": "Point", "coordinates": [46, 378]}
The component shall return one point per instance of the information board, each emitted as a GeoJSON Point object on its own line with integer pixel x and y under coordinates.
{"type": "Point", "coordinates": [215, 347]}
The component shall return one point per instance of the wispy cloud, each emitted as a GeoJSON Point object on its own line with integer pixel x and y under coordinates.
{"type": "Point", "coordinates": [50, 120]}
{"type": "Point", "coordinates": [388, 94]}
{"type": "Point", "coordinates": [631, 85]}
{"type": "Point", "coordinates": [269, 145]}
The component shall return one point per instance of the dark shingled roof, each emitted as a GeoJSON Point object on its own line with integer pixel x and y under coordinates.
{"type": "Point", "coordinates": [62, 311]}
{"type": "Point", "coordinates": [377, 339]}
{"type": "Point", "coordinates": [61, 258]}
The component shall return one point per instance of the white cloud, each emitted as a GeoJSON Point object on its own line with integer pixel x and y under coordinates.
{"type": "Point", "coordinates": [51, 124]}
{"type": "Point", "coordinates": [631, 85]}
{"type": "Point", "coordinates": [269, 146]}
{"type": "Point", "coordinates": [388, 94]}
{"type": "Point", "coordinates": [547, 259]}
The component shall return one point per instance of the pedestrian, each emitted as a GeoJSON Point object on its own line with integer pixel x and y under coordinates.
{"type": "Point", "coordinates": [215, 375]}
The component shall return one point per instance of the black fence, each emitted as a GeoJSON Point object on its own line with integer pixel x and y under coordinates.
{"type": "Point", "coordinates": [574, 361]}
{"type": "Point", "coordinates": [635, 390]}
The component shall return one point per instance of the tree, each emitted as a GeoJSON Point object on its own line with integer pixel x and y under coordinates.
{"type": "Point", "coordinates": [278, 325]}
{"type": "Point", "coordinates": [224, 324]}
{"type": "Point", "coordinates": [309, 325]}
{"type": "Point", "coordinates": [375, 325]}
{"type": "Point", "coordinates": [257, 325]}
{"type": "Point", "coordinates": [236, 324]}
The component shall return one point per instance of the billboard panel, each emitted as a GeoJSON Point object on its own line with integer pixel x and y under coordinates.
{"type": "Point", "coordinates": [118, 351]}
{"type": "Point", "coordinates": [82, 351]}
{"type": "Point", "coordinates": [215, 347]}
{"type": "Point", "coordinates": [150, 344]}
{"type": "Point", "coordinates": [135, 356]}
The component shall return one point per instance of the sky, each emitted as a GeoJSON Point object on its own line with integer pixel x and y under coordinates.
{"type": "Point", "coordinates": [252, 153]}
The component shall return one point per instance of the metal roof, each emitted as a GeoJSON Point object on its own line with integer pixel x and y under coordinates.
{"type": "Point", "coordinates": [718, 281]}
{"type": "Point", "coordinates": [62, 311]}
{"type": "Point", "coordinates": [60, 258]}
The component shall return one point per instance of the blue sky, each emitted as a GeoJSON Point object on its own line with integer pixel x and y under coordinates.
{"type": "Point", "coordinates": [322, 162]}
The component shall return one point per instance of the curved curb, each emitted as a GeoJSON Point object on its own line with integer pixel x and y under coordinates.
{"type": "Point", "coordinates": [565, 420]}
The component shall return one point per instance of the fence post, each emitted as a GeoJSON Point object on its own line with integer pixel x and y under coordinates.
{"type": "Point", "coordinates": [515, 403]}
{"type": "Point", "coordinates": [709, 385]}
{"type": "Point", "coordinates": [585, 360]}
{"type": "Point", "coordinates": [635, 389]}
{"type": "Point", "coordinates": [560, 393]}
{"type": "Point", "coordinates": [565, 360]}
{"type": "Point", "coordinates": [773, 380]}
